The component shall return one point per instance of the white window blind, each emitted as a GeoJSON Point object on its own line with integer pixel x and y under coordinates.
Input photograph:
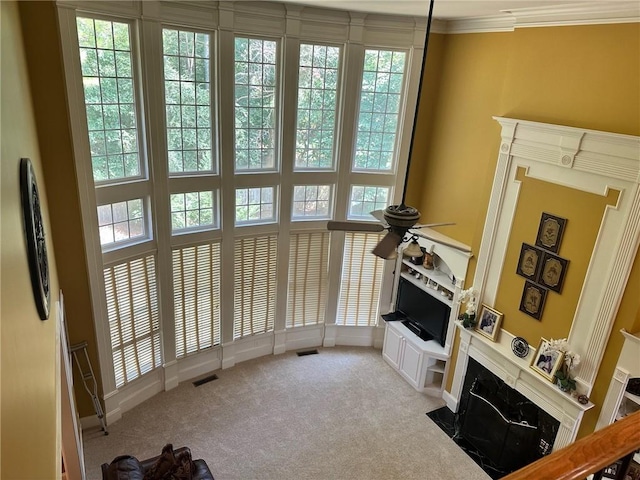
{"type": "Point", "coordinates": [196, 294]}
{"type": "Point", "coordinates": [308, 283]}
{"type": "Point", "coordinates": [132, 306]}
{"type": "Point", "coordinates": [254, 285]}
{"type": "Point", "coordinates": [361, 281]}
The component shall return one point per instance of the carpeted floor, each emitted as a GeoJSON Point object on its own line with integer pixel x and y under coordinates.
{"type": "Point", "coordinates": [340, 414]}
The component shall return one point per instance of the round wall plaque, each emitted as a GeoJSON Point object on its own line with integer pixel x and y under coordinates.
{"type": "Point", "coordinates": [520, 347]}
{"type": "Point", "coordinates": [34, 233]}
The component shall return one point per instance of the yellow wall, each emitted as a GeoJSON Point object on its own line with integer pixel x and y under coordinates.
{"type": "Point", "coordinates": [44, 62]}
{"type": "Point", "coordinates": [30, 428]}
{"type": "Point", "coordinates": [581, 76]}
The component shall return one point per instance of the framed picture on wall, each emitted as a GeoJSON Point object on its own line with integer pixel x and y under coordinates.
{"type": "Point", "coordinates": [529, 261]}
{"type": "Point", "coordinates": [552, 271]}
{"type": "Point", "coordinates": [532, 301]}
{"type": "Point", "coordinates": [546, 360]}
{"type": "Point", "coordinates": [550, 232]}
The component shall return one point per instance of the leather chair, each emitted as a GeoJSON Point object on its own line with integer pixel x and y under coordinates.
{"type": "Point", "coordinates": [127, 467]}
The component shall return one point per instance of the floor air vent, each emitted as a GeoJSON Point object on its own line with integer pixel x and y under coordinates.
{"type": "Point", "coordinates": [204, 380]}
{"type": "Point", "coordinates": [307, 352]}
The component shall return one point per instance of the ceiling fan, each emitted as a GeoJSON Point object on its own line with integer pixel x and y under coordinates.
{"type": "Point", "coordinates": [398, 219]}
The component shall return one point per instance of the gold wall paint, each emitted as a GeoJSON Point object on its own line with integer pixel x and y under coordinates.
{"type": "Point", "coordinates": [581, 76]}
{"type": "Point", "coordinates": [576, 246]}
{"type": "Point", "coordinates": [44, 61]}
{"type": "Point", "coordinates": [30, 384]}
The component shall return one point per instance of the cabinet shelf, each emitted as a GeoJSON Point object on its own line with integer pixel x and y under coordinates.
{"type": "Point", "coordinates": [430, 291]}
{"type": "Point", "coordinates": [435, 275]}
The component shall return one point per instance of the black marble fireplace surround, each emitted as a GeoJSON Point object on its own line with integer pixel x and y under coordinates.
{"type": "Point", "coordinates": [497, 426]}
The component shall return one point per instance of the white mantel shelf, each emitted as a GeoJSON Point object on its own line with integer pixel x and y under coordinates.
{"type": "Point", "coordinates": [498, 358]}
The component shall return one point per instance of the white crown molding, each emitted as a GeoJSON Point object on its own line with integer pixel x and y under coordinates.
{"type": "Point", "coordinates": [558, 16]}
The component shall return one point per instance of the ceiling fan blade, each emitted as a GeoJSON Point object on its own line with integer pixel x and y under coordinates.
{"type": "Point", "coordinates": [387, 245]}
{"type": "Point", "coordinates": [442, 224]}
{"type": "Point", "coordinates": [379, 215]}
{"type": "Point", "coordinates": [355, 226]}
{"type": "Point", "coordinates": [458, 246]}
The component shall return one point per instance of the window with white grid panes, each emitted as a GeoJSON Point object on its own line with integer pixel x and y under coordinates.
{"type": "Point", "coordinates": [187, 85]}
{"type": "Point", "coordinates": [308, 279]}
{"type": "Point", "coordinates": [378, 116]}
{"type": "Point", "coordinates": [255, 205]}
{"type": "Point", "coordinates": [193, 211]}
{"type": "Point", "coordinates": [255, 111]}
{"type": "Point", "coordinates": [365, 199]}
{"type": "Point", "coordinates": [196, 297]}
{"type": "Point", "coordinates": [255, 262]}
{"type": "Point", "coordinates": [134, 326]}
{"type": "Point", "coordinates": [361, 281]}
{"type": "Point", "coordinates": [108, 83]}
{"type": "Point", "coordinates": [317, 103]}
{"type": "Point", "coordinates": [312, 202]}
{"type": "Point", "coordinates": [121, 221]}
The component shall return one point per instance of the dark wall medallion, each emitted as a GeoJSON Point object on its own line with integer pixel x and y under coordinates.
{"type": "Point", "coordinates": [34, 233]}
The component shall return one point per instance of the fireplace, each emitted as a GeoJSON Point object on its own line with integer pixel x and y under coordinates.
{"type": "Point", "coordinates": [507, 430]}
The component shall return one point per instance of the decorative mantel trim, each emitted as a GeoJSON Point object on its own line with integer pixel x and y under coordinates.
{"type": "Point", "coordinates": [586, 160]}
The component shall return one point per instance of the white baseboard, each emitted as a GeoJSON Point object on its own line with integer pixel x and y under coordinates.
{"type": "Point", "coordinates": [451, 401]}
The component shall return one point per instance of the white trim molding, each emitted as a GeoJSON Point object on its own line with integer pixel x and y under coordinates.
{"type": "Point", "coordinates": [589, 161]}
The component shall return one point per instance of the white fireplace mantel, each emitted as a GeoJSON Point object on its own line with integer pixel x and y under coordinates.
{"type": "Point", "coordinates": [498, 358]}
{"type": "Point", "coordinates": [586, 160]}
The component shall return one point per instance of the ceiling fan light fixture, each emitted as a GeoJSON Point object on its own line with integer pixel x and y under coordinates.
{"type": "Point", "coordinates": [413, 250]}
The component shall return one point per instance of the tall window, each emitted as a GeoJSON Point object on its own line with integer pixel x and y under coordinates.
{"type": "Point", "coordinates": [187, 88]}
{"type": "Point", "coordinates": [317, 102]}
{"type": "Point", "coordinates": [107, 77]}
{"type": "Point", "coordinates": [255, 104]}
{"type": "Point", "coordinates": [380, 97]}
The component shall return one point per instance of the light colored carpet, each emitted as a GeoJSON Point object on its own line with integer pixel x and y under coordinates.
{"type": "Point", "coordinates": [340, 414]}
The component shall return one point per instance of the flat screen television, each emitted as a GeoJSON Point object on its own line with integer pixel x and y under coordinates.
{"type": "Point", "coordinates": [422, 308]}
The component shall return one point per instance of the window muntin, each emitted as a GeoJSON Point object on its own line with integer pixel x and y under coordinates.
{"type": "Point", "coordinates": [255, 104]}
{"type": "Point", "coordinates": [255, 205]}
{"type": "Point", "coordinates": [312, 202]}
{"type": "Point", "coordinates": [378, 117]}
{"type": "Point", "coordinates": [187, 85]}
{"type": "Point", "coordinates": [193, 211]}
{"type": "Point", "coordinates": [317, 104]}
{"type": "Point", "coordinates": [365, 199]}
{"type": "Point", "coordinates": [108, 80]}
{"type": "Point", "coordinates": [121, 221]}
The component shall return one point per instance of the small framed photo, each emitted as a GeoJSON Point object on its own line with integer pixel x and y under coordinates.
{"type": "Point", "coordinates": [532, 301]}
{"type": "Point", "coordinates": [489, 323]}
{"type": "Point", "coordinates": [529, 262]}
{"type": "Point", "coordinates": [546, 360]}
{"type": "Point", "coordinates": [552, 272]}
{"type": "Point", "coordinates": [550, 232]}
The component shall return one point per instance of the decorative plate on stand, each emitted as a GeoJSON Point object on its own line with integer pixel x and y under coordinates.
{"type": "Point", "coordinates": [520, 347]}
{"type": "Point", "coordinates": [34, 233]}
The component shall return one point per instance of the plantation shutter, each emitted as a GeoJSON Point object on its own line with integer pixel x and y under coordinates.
{"type": "Point", "coordinates": [254, 285]}
{"type": "Point", "coordinates": [196, 297]}
{"type": "Point", "coordinates": [361, 281]}
{"type": "Point", "coordinates": [308, 269]}
{"type": "Point", "coordinates": [132, 307]}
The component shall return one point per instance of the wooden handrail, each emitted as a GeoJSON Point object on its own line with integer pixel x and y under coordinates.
{"type": "Point", "coordinates": [588, 455]}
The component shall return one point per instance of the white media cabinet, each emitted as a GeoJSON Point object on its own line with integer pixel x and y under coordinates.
{"type": "Point", "coordinates": [425, 364]}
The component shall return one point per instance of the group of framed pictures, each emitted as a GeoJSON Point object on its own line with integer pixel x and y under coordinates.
{"type": "Point", "coordinates": [542, 268]}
